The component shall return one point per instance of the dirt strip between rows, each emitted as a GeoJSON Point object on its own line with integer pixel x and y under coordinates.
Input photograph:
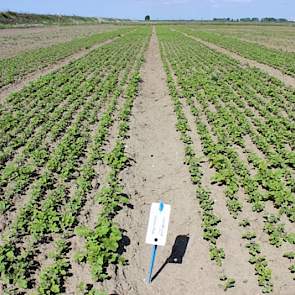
{"type": "Point", "coordinates": [158, 172]}
{"type": "Point", "coordinates": [286, 79]}
{"type": "Point", "coordinates": [7, 90]}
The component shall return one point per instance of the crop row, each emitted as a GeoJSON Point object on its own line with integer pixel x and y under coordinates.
{"type": "Point", "coordinates": [203, 80]}
{"type": "Point", "coordinates": [102, 241]}
{"type": "Point", "coordinates": [277, 191]}
{"type": "Point", "coordinates": [213, 151]}
{"type": "Point", "coordinates": [283, 61]}
{"type": "Point", "coordinates": [230, 101]}
{"type": "Point", "coordinates": [43, 132]}
{"type": "Point", "coordinates": [42, 96]}
{"type": "Point", "coordinates": [14, 68]}
{"type": "Point", "coordinates": [53, 209]}
{"type": "Point", "coordinates": [210, 220]}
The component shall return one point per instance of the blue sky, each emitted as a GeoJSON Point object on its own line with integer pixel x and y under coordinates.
{"type": "Point", "coordinates": [158, 9]}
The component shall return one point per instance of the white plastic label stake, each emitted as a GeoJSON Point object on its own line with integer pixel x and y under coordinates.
{"type": "Point", "coordinates": [158, 225]}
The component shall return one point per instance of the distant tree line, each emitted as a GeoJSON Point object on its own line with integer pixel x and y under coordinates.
{"type": "Point", "coordinates": [13, 18]}
{"type": "Point", "coordinates": [252, 19]}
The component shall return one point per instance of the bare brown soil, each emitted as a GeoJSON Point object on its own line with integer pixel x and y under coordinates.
{"type": "Point", "coordinates": [288, 80]}
{"type": "Point", "coordinates": [14, 41]}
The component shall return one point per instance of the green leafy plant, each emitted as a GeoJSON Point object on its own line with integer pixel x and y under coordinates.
{"type": "Point", "coordinates": [244, 223]}
{"type": "Point", "coordinates": [101, 247]}
{"type": "Point", "coordinates": [249, 235]}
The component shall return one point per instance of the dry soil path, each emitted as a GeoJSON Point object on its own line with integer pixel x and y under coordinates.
{"type": "Point", "coordinates": [288, 80]}
{"type": "Point", "coordinates": [159, 173]}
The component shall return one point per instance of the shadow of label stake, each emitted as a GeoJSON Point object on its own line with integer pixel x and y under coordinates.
{"type": "Point", "coordinates": [177, 253]}
{"type": "Point", "coordinates": [178, 249]}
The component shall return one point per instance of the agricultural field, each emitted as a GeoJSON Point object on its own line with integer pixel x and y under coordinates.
{"type": "Point", "coordinates": [274, 36]}
{"type": "Point", "coordinates": [148, 113]}
{"type": "Point", "coordinates": [279, 59]}
{"type": "Point", "coordinates": [17, 40]}
{"type": "Point", "coordinates": [13, 69]}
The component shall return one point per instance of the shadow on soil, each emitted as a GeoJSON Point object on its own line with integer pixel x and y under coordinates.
{"type": "Point", "coordinates": [177, 253]}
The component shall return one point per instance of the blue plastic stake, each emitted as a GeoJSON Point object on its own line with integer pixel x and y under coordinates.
{"type": "Point", "coordinates": [154, 253]}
